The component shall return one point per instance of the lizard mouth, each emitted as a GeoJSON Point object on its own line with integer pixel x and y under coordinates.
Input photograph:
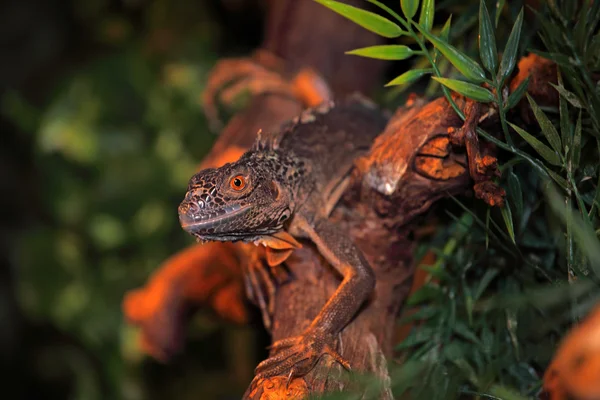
{"type": "Point", "coordinates": [209, 225]}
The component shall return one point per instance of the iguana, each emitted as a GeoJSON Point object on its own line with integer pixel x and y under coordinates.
{"type": "Point", "coordinates": [284, 188]}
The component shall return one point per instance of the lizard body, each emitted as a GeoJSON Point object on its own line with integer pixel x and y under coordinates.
{"type": "Point", "coordinates": [285, 188]}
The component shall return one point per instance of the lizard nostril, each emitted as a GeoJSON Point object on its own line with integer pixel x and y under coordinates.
{"type": "Point", "coordinates": [188, 207]}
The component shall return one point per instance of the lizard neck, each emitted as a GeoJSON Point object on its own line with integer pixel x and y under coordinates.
{"type": "Point", "coordinates": [291, 174]}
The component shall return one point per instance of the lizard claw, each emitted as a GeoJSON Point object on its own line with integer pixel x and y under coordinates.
{"type": "Point", "coordinates": [260, 288]}
{"type": "Point", "coordinates": [297, 356]}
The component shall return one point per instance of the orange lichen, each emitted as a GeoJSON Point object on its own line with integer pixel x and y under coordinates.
{"type": "Point", "coordinates": [435, 161]}
{"type": "Point", "coordinates": [276, 388]}
{"type": "Point", "coordinates": [197, 275]}
{"type": "Point", "coordinates": [574, 373]}
{"type": "Point", "coordinates": [489, 192]}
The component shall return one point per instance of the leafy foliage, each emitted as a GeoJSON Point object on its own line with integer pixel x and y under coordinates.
{"type": "Point", "coordinates": [507, 283]}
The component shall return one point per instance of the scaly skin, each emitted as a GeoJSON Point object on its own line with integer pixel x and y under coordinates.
{"type": "Point", "coordinates": [284, 188]}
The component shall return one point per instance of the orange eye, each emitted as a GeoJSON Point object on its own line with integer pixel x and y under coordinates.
{"type": "Point", "coordinates": [237, 182]}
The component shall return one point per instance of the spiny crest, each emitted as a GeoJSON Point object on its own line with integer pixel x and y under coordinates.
{"type": "Point", "coordinates": [265, 143]}
{"type": "Point", "coordinates": [271, 141]}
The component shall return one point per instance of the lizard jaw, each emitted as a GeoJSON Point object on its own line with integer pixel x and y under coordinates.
{"type": "Point", "coordinates": [200, 227]}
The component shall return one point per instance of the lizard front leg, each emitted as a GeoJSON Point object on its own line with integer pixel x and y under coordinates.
{"type": "Point", "coordinates": [296, 356]}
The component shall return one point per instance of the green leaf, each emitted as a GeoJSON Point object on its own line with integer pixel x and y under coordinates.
{"type": "Point", "coordinates": [557, 178]}
{"type": "Point", "coordinates": [567, 95]}
{"type": "Point", "coordinates": [505, 393]}
{"type": "Point", "coordinates": [576, 150]}
{"type": "Point", "coordinates": [467, 89]}
{"type": "Point", "coordinates": [487, 228]}
{"type": "Point", "coordinates": [509, 58]}
{"type": "Point", "coordinates": [499, 7]}
{"type": "Point", "coordinates": [422, 313]}
{"type": "Point", "coordinates": [409, 77]}
{"type": "Point", "coordinates": [548, 128]}
{"type": "Point", "coordinates": [462, 330]}
{"type": "Point", "coordinates": [409, 7]}
{"type": "Point", "coordinates": [427, 292]}
{"type": "Point", "coordinates": [517, 95]}
{"type": "Point", "coordinates": [427, 14]}
{"type": "Point", "coordinates": [368, 20]}
{"type": "Point", "coordinates": [487, 40]}
{"type": "Point", "coordinates": [546, 152]}
{"type": "Point", "coordinates": [411, 341]}
{"type": "Point", "coordinates": [444, 35]}
{"type": "Point", "coordinates": [487, 278]}
{"type": "Point", "coordinates": [469, 68]}
{"type": "Point", "coordinates": [467, 370]}
{"type": "Point", "coordinates": [565, 124]}
{"type": "Point", "coordinates": [508, 221]}
{"type": "Point", "coordinates": [579, 29]}
{"type": "Point", "coordinates": [384, 52]}
{"type": "Point", "coordinates": [516, 192]}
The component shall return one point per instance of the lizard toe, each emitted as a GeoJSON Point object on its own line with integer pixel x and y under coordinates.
{"type": "Point", "coordinates": [270, 290]}
{"type": "Point", "coordinates": [285, 365]}
{"type": "Point", "coordinates": [337, 357]}
{"type": "Point", "coordinates": [274, 361]}
{"type": "Point", "coordinates": [284, 343]}
{"type": "Point", "coordinates": [297, 356]}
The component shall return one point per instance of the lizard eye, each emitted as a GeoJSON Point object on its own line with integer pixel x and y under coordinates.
{"type": "Point", "coordinates": [237, 182]}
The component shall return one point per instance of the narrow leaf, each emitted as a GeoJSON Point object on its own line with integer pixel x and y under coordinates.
{"type": "Point", "coordinates": [499, 8]}
{"type": "Point", "coordinates": [504, 393]}
{"type": "Point", "coordinates": [516, 192]}
{"type": "Point", "coordinates": [469, 68]}
{"type": "Point", "coordinates": [509, 58]}
{"type": "Point", "coordinates": [508, 221]}
{"type": "Point", "coordinates": [467, 89]}
{"type": "Point", "coordinates": [546, 152]}
{"type": "Point", "coordinates": [411, 341]}
{"type": "Point", "coordinates": [565, 124]}
{"type": "Point", "coordinates": [427, 14]}
{"type": "Point", "coordinates": [487, 40]}
{"type": "Point", "coordinates": [425, 293]}
{"type": "Point", "coordinates": [580, 25]}
{"type": "Point", "coordinates": [467, 370]}
{"type": "Point", "coordinates": [487, 278]}
{"type": "Point", "coordinates": [548, 128]}
{"type": "Point", "coordinates": [487, 228]}
{"type": "Point", "coordinates": [576, 150]}
{"type": "Point", "coordinates": [409, 7]}
{"type": "Point", "coordinates": [461, 330]}
{"type": "Point", "coordinates": [384, 52]}
{"type": "Point", "coordinates": [517, 95]}
{"type": "Point", "coordinates": [409, 77]}
{"type": "Point", "coordinates": [557, 178]}
{"type": "Point", "coordinates": [368, 20]}
{"type": "Point", "coordinates": [567, 95]}
{"type": "Point", "coordinates": [444, 35]}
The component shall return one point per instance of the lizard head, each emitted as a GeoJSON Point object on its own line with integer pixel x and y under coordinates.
{"type": "Point", "coordinates": [238, 201]}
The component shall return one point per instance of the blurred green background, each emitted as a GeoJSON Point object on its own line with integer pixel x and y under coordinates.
{"type": "Point", "coordinates": [101, 129]}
